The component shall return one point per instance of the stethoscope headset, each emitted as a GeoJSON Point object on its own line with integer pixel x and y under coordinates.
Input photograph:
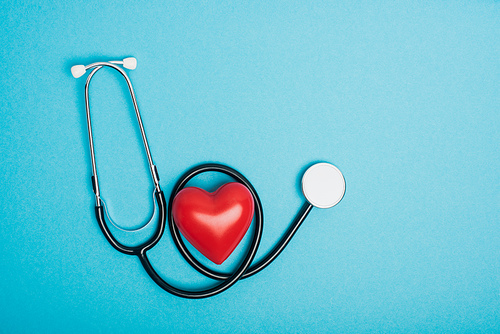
{"type": "Point", "coordinates": [323, 186]}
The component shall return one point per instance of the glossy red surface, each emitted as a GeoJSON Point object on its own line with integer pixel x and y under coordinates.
{"type": "Point", "coordinates": [214, 223]}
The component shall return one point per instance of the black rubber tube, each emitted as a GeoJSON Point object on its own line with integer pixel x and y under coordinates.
{"type": "Point", "coordinates": [252, 270]}
{"type": "Point", "coordinates": [227, 280]}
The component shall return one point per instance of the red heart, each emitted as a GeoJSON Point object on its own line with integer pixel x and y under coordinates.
{"type": "Point", "coordinates": [214, 223]}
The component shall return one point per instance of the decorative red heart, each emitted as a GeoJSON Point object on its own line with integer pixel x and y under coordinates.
{"type": "Point", "coordinates": [214, 223]}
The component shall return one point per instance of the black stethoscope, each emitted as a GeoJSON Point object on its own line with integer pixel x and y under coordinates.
{"type": "Point", "coordinates": [323, 186]}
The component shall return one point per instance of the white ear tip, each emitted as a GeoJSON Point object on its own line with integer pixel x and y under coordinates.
{"type": "Point", "coordinates": [130, 63]}
{"type": "Point", "coordinates": [323, 185]}
{"type": "Point", "coordinates": [78, 70]}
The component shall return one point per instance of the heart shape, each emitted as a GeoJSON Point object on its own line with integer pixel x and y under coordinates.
{"type": "Point", "coordinates": [214, 223]}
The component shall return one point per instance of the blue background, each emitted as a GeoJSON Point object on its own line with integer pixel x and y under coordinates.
{"type": "Point", "coordinates": [403, 97]}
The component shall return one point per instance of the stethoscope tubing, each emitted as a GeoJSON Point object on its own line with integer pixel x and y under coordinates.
{"type": "Point", "coordinates": [257, 267]}
{"type": "Point", "coordinates": [228, 280]}
{"type": "Point", "coordinates": [244, 270]}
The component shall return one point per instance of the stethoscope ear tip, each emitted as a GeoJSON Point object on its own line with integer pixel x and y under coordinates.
{"type": "Point", "coordinates": [130, 63]}
{"type": "Point", "coordinates": [323, 185]}
{"type": "Point", "coordinates": [77, 71]}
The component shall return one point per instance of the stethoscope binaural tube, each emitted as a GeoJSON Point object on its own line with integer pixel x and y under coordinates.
{"type": "Point", "coordinates": [323, 186]}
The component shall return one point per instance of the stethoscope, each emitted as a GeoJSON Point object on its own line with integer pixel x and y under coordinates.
{"type": "Point", "coordinates": [323, 186]}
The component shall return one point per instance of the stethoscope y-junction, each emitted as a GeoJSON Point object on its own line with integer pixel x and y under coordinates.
{"type": "Point", "coordinates": [323, 186]}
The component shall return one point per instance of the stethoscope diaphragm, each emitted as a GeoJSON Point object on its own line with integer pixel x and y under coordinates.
{"type": "Point", "coordinates": [323, 185]}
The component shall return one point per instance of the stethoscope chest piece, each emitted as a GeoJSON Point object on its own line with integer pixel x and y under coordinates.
{"type": "Point", "coordinates": [323, 185]}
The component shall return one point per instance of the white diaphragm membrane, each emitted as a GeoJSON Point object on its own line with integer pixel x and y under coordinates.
{"type": "Point", "coordinates": [323, 185]}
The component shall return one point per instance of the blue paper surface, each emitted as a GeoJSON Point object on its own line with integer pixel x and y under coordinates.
{"type": "Point", "coordinates": [403, 97]}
